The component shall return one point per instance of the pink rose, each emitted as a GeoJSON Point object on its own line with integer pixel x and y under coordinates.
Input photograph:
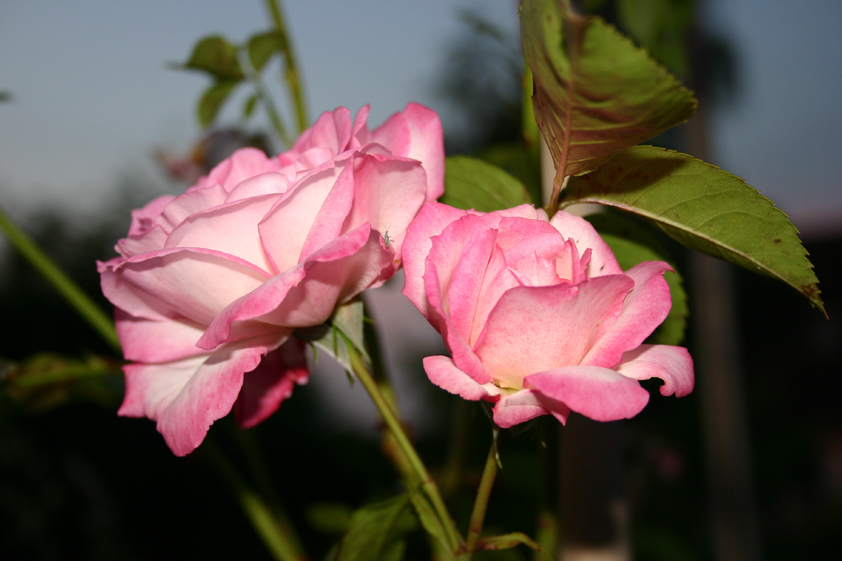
{"type": "Point", "coordinates": [210, 285]}
{"type": "Point", "coordinates": [537, 314]}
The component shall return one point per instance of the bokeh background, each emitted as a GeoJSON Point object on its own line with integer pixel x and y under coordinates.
{"type": "Point", "coordinates": [95, 112]}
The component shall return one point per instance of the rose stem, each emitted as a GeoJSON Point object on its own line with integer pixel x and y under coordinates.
{"type": "Point", "coordinates": [271, 531]}
{"type": "Point", "coordinates": [60, 281]}
{"type": "Point", "coordinates": [291, 66]}
{"type": "Point", "coordinates": [483, 493]}
{"type": "Point", "coordinates": [428, 485]}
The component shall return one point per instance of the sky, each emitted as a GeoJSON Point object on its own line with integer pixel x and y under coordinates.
{"type": "Point", "coordinates": [93, 97]}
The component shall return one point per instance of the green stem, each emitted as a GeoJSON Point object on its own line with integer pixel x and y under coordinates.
{"type": "Point", "coordinates": [271, 531]}
{"type": "Point", "coordinates": [71, 292]}
{"type": "Point", "coordinates": [291, 66]}
{"type": "Point", "coordinates": [268, 104]}
{"type": "Point", "coordinates": [428, 485]}
{"type": "Point", "coordinates": [483, 493]}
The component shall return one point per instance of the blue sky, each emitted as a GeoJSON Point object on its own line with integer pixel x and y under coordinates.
{"type": "Point", "coordinates": [93, 97]}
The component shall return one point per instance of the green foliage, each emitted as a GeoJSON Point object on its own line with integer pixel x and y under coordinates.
{"type": "Point", "coordinates": [472, 183]}
{"type": "Point", "coordinates": [262, 46]}
{"type": "Point", "coordinates": [660, 26]}
{"type": "Point", "coordinates": [5, 96]}
{"type": "Point", "coordinates": [329, 518]}
{"type": "Point", "coordinates": [249, 106]}
{"type": "Point", "coordinates": [632, 244]}
{"type": "Point", "coordinates": [212, 100]}
{"type": "Point", "coordinates": [595, 92]}
{"type": "Point", "coordinates": [217, 57]}
{"type": "Point", "coordinates": [375, 531]}
{"type": "Point", "coordinates": [48, 380]}
{"type": "Point", "coordinates": [704, 208]}
{"type": "Point", "coordinates": [346, 323]}
{"type": "Point", "coordinates": [507, 541]}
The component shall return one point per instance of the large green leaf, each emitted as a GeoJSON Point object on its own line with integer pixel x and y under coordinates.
{"type": "Point", "coordinates": [216, 56]}
{"type": "Point", "coordinates": [704, 208]}
{"type": "Point", "coordinates": [632, 244]}
{"type": "Point", "coordinates": [472, 183]}
{"type": "Point", "coordinates": [595, 92]}
{"type": "Point", "coordinates": [376, 530]}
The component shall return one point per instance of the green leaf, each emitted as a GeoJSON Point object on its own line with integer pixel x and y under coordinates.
{"type": "Point", "coordinates": [632, 244]}
{"type": "Point", "coordinates": [704, 208]}
{"type": "Point", "coordinates": [348, 318]}
{"type": "Point", "coordinates": [262, 46]}
{"type": "Point", "coordinates": [216, 56]}
{"type": "Point", "coordinates": [47, 380]}
{"type": "Point", "coordinates": [375, 531]}
{"type": "Point", "coordinates": [248, 107]}
{"type": "Point", "coordinates": [472, 183]}
{"type": "Point", "coordinates": [429, 520]}
{"type": "Point", "coordinates": [507, 541]}
{"type": "Point", "coordinates": [660, 26]}
{"type": "Point", "coordinates": [329, 518]}
{"type": "Point", "coordinates": [5, 96]}
{"type": "Point", "coordinates": [212, 100]}
{"type": "Point", "coordinates": [595, 92]}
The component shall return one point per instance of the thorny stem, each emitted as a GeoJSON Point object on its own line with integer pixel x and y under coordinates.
{"type": "Point", "coordinates": [483, 493]}
{"type": "Point", "coordinates": [291, 67]}
{"type": "Point", "coordinates": [428, 485]}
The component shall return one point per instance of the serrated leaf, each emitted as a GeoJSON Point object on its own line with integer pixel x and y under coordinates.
{"type": "Point", "coordinates": [248, 107]}
{"type": "Point", "coordinates": [262, 46]}
{"type": "Point", "coordinates": [704, 208]}
{"type": "Point", "coordinates": [348, 318]}
{"type": "Point", "coordinates": [375, 531]}
{"type": "Point", "coordinates": [660, 26]}
{"type": "Point", "coordinates": [472, 183]}
{"type": "Point", "coordinates": [632, 244]}
{"type": "Point", "coordinates": [216, 56]}
{"type": "Point", "coordinates": [212, 100]}
{"type": "Point", "coordinates": [507, 541]}
{"type": "Point", "coordinates": [595, 92]}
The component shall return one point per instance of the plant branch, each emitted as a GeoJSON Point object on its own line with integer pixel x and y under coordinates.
{"type": "Point", "coordinates": [71, 292]}
{"type": "Point", "coordinates": [291, 75]}
{"type": "Point", "coordinates": [483, 493]}
{"type": "Point", "coordinates": [428, 485]}
{"type": "Point", "coordinates": [283, 546]}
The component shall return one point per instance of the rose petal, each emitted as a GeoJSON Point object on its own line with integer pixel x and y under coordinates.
{"type": "Point", "coordinates": [433, 218]}
{"type": "Point", "coordinates": [230, 228]}
{"type": "Point", "coordinates": [265, 387]}
{"type": "Point", "coordinates": [444, 373]}
{"type": "Point", "coordinates": [646, 306]}
{"type": "Point", "coordinates": [186, 397]}
{"type": "Point", "coordinates": [163, 340]}
{"type": "Point", "coordinates": [538, 328]}
{"type": "Point", "coordinates": [306, 295]}
{"type": "Point", "coordinates": [585, 236]}
{"type": "Point", "coordinates": [417, 133]}
{"type": "Point", "coordinates": [285, 229]}
{"type": "Point", "coordinates": [518, 407]}
{"type": "Point", "coordinates": [671, 364]}
{"type": "Point", "coordinates": [598, 393]}
{"type": "Point", "coordinates": [196, 283]}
